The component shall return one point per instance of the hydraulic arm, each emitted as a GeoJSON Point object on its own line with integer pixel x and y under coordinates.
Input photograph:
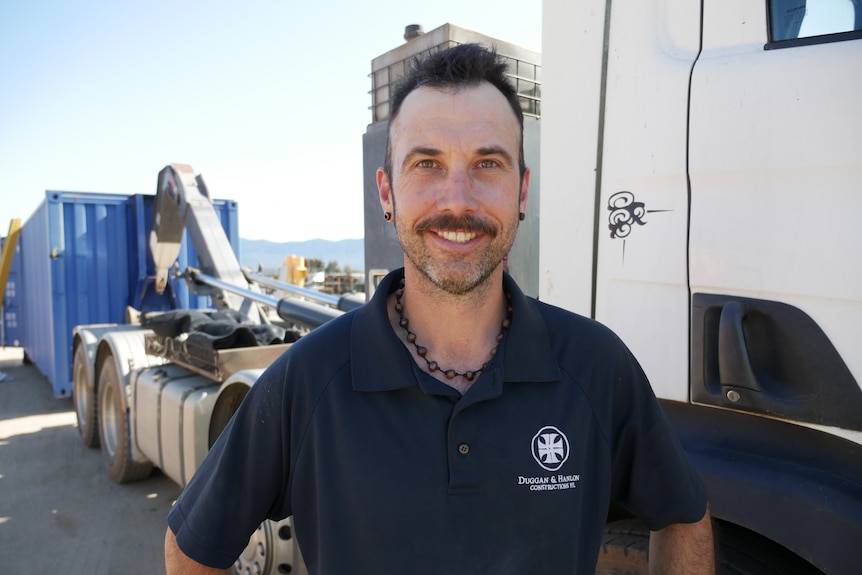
{"type": "Point", "coordinates": [183, 203]}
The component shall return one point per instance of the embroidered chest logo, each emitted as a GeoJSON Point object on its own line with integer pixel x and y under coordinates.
{"type": "Point", "coordinates": [550, 448]}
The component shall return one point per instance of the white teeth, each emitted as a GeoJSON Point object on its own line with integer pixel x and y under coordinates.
{"type": "Point", "coordinates": [457, 237]}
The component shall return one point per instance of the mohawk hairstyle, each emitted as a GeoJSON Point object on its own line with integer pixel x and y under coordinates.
{"type": "Point", "coordinates": [460, 66]}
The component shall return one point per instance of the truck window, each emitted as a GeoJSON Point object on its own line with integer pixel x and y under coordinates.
{"type": "Point", "coordinates": [798, 22]}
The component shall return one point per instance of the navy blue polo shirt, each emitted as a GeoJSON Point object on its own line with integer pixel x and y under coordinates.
{"type": "Point", "coordinates": [387, 470]}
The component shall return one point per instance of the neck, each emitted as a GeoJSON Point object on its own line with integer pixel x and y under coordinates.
{"type": "Point", "coordinates": [449, 315]}
{"type": "Point", "coordinates": [457, 332]}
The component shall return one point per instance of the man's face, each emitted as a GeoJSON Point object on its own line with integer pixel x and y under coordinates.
{"type": "Point", "coordinates": [455, 188]}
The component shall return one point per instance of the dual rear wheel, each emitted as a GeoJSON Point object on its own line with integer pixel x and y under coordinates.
{"type": "Point", "coordinates": [84, 398]}
{"type": "Point", "coordinates": [114, 432]}
{"type": "Point", "coordinates": [102, 419]}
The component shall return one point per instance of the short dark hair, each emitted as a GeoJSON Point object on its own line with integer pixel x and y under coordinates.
{"type": "Point", "coordinates": [460, 66]}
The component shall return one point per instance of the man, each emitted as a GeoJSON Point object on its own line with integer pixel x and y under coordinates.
{"type": "Point", "coordinates": [451, 425]}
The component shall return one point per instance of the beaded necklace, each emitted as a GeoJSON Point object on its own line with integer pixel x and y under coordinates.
{"type": "Point", "coordinates": [422, 351]}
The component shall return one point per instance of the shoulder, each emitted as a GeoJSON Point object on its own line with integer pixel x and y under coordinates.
{"type": "Point", "coordinates": [327, 353]}
{"type": "Point", "coordinates": [594, 357]}
{"type": "Point", "coordinates": [572, 333]}
{"type": "Point", "coordinates": [323, 350]}
{"type": "Point", "coordinates": [546, 342]}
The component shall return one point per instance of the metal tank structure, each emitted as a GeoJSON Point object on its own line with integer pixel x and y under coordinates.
{"type": "Point", "coordinates": [382, 251]}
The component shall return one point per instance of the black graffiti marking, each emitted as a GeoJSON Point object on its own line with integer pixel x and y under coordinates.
{"type": "Point", "coordinates": [625, 212]}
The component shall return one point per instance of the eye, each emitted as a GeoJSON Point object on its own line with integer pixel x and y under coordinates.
{"type": "Point", "coordinates": [425, 164]}
{"type": "Point", "coordinates": [488, 164]}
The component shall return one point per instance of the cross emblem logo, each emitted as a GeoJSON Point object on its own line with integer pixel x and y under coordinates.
{"type": "Point", "coordinates": [550, 448]}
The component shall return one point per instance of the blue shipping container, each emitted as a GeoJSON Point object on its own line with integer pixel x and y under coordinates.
{"type": "Point", "coordinates": [10, 331]}
{"type": "Point", "coordinates": [84, 260]}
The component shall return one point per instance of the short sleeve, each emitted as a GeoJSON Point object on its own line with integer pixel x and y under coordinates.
{"type": "Point", "coordinates": [652, 475]}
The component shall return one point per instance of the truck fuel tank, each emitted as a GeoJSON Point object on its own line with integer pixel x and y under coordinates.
{"type": "Point", "coordinates": [171, 418]}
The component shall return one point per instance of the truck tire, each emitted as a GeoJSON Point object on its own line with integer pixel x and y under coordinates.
{"type": "Point", "coordinates": [114, 427]}
{"type": "Point", "coordinates": [625, 551]}
{"type": "Point", "coordinates": [226, 405]}
{"type": "Point", "coordinates": [743, 552]}
{"type": "Point", "coordinates": [84, 397]}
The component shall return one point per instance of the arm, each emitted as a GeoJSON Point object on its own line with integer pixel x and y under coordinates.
{"type": "Point", "coordinates": [178, 563]}
{"type": "Point", "coordinates": [683, 548]}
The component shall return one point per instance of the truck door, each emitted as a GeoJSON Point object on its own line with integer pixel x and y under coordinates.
{"type": "Point", "coordinates": [775, 165]}
{"type": "Point", "coordinates": [614, 202]}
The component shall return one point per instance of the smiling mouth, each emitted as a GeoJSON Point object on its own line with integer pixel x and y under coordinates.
{"type": "Point", "coordinates": [458, 230]}
{"type": "Point", "coordinates": [458, 237]}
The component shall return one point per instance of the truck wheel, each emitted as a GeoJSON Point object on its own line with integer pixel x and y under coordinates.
{"type": "Point", "coordinates": [226, 405]}
{"type": "Point", "coordinates": [625, 551]}
{"type": "Point", "coordinates": [84, 397]}
{"type": "Point", "coordinates": [114, 428]}
{"type": "Point", "coordinates": [271, 550]}
{"type": "Point", "coordinates": [743, 552]}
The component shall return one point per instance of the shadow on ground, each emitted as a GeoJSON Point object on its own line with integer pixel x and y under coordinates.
{"type": "Point", "coordinates": [59, 510]}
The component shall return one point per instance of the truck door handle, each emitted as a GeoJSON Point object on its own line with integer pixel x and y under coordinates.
{"type": "Point", "coordinates": [769, 357]}
{"type": "Point", "coordinates": [734, 363]}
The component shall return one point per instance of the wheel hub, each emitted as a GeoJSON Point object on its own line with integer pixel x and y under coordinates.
{"type": "Point", "coordinates": [270, 551]}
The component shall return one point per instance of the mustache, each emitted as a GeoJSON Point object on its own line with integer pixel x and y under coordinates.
{"type": "Point", "coordinates": [451, 223]}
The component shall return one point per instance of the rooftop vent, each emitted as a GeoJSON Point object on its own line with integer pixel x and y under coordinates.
{"type": "Point", "coordinates": [412, 31]}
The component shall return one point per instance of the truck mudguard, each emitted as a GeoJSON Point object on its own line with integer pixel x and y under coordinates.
{"type": "Point", "coordinates": [799, 487]}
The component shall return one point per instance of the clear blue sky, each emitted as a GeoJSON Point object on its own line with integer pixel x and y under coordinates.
{"type": "Point", "coordinates": [267, 99]}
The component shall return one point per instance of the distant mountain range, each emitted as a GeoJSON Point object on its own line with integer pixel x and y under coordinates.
{"type": "Point", "coordinates": [270, 255]}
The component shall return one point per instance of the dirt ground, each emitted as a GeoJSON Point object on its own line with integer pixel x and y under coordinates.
{"type": "Point", "coordinates": [59, 510]}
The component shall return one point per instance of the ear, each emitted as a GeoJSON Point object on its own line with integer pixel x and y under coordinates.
{"type": "Point", "coordinates": [525, 189]}
{"type": "Point", "coordinates": [384, 189]}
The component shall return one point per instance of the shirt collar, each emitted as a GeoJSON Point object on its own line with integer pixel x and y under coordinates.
{"type": "Point", "coordinates": [528, 354]}
{"type": "Point", "coordinates": [380, 362]}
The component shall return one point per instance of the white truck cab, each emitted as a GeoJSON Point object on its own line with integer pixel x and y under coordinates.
{"type": "Point", "coordinates": [701, 166]}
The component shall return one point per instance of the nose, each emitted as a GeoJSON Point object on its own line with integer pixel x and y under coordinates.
{"type": "Point", "coordinates": [458, 192]}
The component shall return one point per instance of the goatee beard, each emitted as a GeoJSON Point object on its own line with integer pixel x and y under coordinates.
{"type": "Point", "coordinates": [455, 277]}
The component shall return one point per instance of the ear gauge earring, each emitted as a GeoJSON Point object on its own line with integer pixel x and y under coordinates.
{"type": "Point", "coordinates": [521, 216]}
{"type": "Point", "coordinates": [387, 216]}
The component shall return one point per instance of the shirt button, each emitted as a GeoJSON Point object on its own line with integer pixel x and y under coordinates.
{"type": "Point", "coordinates": [463, 449]}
